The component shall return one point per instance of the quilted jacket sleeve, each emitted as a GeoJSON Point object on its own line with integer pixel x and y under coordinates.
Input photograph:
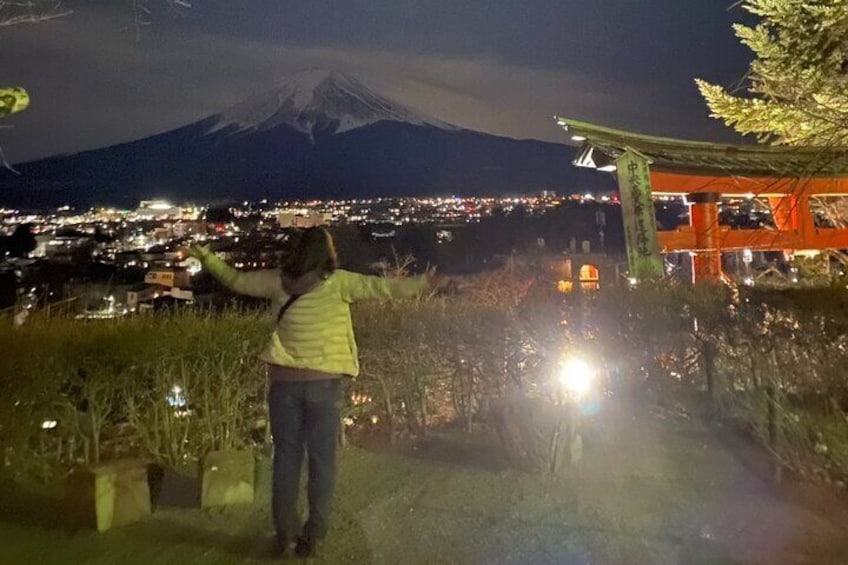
{"type": "Point", "coordinates": [260, 284]}
{"type": "Point", "coordinates": [356, 287]}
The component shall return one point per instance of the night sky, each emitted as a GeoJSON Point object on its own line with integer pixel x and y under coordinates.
{"type": "Point", "coordinates": [503, 67]}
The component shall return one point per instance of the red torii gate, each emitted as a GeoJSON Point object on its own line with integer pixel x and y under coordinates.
{"type": "Point", "coordinates": [789, 200]}
{"type": "Point", "coordinates": [704, 173]}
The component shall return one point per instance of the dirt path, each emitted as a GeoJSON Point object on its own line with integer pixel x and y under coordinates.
{"type": "Point", "coordinates": [652, 488]}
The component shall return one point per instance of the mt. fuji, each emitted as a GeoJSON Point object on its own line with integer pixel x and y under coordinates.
{"type": "Point", "coordinates": [315, 134]}
{"type": "Point", "coordinates": [318, 102]}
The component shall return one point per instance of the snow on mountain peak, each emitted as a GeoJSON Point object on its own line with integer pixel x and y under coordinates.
{"type": "Point", "coordinates": [318, 100]}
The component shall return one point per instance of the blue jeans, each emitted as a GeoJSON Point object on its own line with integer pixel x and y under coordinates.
{"type": "Point", "coordinates": [304, 417]}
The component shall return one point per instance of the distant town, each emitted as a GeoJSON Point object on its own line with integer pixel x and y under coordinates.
{"type": "Point", "coordinates": [297, 213]}
{"type": "Point", "coordinates": [119, 261]}
{"type": "Point", "coordinates": [106, 262]}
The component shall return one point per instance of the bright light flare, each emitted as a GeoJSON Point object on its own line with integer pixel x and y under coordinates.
{"type": "Point", "coordinates": [575, 377]}
{"type": "Point", "coordinates": [176, 397]}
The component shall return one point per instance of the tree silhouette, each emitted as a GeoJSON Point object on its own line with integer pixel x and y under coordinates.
{"type": "Point", "coordinates": [20, 244]}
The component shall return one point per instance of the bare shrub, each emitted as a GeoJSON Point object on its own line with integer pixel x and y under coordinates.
{"type": "Point", "coordinates": [772, 360]}
{"type": "Point", "coordinates": [80, 391]}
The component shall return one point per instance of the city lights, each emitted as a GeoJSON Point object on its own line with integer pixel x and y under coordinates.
{"type": "Point", "coordinates": [142, 249]}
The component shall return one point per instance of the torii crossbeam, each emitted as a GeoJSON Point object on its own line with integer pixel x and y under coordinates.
{"type": "Point", "coordinates": [704, 172]}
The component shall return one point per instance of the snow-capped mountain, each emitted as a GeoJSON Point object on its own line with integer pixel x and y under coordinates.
{"type": "Point", "coordinates": [317, 134]}
{"type": "Point", "coordinates": [317, 101]}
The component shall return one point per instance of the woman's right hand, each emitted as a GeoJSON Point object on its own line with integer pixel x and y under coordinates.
{"type": "Point", "coordinates": [198, 251]}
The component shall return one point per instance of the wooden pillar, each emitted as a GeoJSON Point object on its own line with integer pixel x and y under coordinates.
{"type": "Point", "coordinates": [784, 210]}
{"type": "Point", "coordinates": [806, 221]}
{"type": "Point", "coordinates": [637, 210]}
{"type": "Point", "coordinates": [703, 217]}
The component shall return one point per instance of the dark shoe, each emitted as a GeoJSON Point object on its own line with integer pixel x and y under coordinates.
{"type": "Point", "coordinates": [306, 547]}
{"type": "Point", "coordinates": [278, 549]}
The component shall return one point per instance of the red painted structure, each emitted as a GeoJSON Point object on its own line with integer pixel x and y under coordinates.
{"type": "Point", "coordinates": [789, 200]}
{"type": "Point", "coordinates": [705, 172]}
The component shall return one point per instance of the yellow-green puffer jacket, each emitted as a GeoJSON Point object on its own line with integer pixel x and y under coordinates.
{"type": "Point", "coordinates": [316, 331]}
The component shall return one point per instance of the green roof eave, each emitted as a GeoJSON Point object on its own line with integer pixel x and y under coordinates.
{"type": "Point", "coordinates": [712, 159]}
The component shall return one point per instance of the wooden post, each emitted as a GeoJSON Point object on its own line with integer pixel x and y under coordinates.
{"type": "Point", "coordinates": [785, 212]}
{"type": "Point", "coordinates": [806, 222]}
{"type": "Point", "coordinates": [703, 216]}
{"type": "Point", "coordinates": [709, 354]}
{"type": "Point", "coordinates": [774, 432]}
{"type": "Point", "coordinates": [773, 420]}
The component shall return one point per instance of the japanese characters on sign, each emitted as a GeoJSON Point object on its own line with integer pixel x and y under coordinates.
{"type": "Point", "coordinates": [637, 208]}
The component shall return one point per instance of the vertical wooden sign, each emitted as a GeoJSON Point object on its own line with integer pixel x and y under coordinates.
{"type": "Point", "coordinates": [637, 210]}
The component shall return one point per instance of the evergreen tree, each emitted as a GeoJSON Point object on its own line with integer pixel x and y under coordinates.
{"type": "Point", "coordinates": [20, 244]}
{"type": "Point", "coordinates": [798, 81]}
{"type": "Point", "coordinates": [12, 100]}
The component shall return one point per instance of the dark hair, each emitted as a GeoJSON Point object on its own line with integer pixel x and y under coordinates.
{"type": "Point", "coordinates": [311, 250]}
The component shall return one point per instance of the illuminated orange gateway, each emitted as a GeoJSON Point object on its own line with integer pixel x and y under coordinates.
{"type": "Point", "coordinates": [705, 172]}
{"type": "Point", "coordinates": [788, 198]}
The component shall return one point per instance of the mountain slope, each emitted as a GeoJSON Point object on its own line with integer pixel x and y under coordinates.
{"type": "Point", "coordinates": [317, 133]}
{"type": "Point", "coordinates": [317, 101]}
